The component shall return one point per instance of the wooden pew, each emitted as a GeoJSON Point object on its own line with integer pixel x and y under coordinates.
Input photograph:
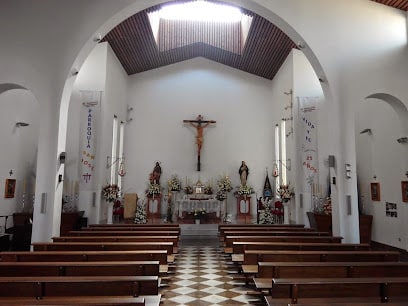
{"type": "Point", "coordinates": [83, 301]}
{"type": "Point", "coordinates": [383, 289]}
{"type": "Point", "coordinates": [252, 257]}
{"type": "Point", "coordinates": [103, 246]}
{"type": "Point", "coordinates": [78, 256]}
{"type": "Point", "coordinates": [223, 231]}
{"type": "Point", "coordinates": [240, 246]}
{"type": "Point", "coordinates": [174, 239]}
{"type": "Point", "coordinates": [104, 268]}
{"type": "Point", "coordinates": [135, 225]}
{"type": "Point", "coordinates": [269, 270]}
{"type": "Point", "coordinates": [108, 232]}
{"type": "Point", "coordinates": [336, 303]}
{"type": "Point", "coordinates": [322, 239]}
{"type": "Point", "coordinates": [259, 227]}
{"type": "Point", "coordinates": [41, 286]}
{"type": "Point", "coordinates": [221, 226]}
{"type": "Point", "coordinates": [132, 228]}
{"type": "Point", "coordinates": [275, 233]}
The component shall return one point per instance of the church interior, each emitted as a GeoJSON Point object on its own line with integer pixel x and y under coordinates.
{"type": "Point", "coordinates": [279, 118]}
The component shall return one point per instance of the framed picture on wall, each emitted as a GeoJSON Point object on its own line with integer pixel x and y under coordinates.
{"type": "Point", "coordinates": [404, 189]}
{"type": "Point", "coordinates": [375, 192]}
{"type": "Point", "coordinates": [9, 188]}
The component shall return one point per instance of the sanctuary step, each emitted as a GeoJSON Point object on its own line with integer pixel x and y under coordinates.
{"type": "Point", "coordinates": [199, 229]}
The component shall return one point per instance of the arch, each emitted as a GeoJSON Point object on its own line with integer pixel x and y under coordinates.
{"type": "Point", "coordinates": [10, 86]}
{"type": "Point", "coordinates": [398, 106]}
{"type": "Point", "coordinates": [126, 12]}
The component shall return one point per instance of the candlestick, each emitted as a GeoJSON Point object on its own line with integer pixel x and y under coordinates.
{"type": "Point", "coordinates": [24, 185]}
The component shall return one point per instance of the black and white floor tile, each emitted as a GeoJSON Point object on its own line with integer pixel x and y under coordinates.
{"type": "Point", "coordinates": [201, 278]}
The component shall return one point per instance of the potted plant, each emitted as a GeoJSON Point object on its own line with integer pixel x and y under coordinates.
{"type": "Point", "coordinates": [198, 214]}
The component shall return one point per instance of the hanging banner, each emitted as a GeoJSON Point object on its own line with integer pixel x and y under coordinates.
{"type": "Point", "coordinates": [307, 127]}
{"type": "Point", "coordinates": [89, 124]}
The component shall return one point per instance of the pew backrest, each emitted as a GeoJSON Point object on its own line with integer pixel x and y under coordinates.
{"type": "Point", "coordinates": [105, 268]}
{"type": "Point", "coordinates": [78, 256]}
{"type": "Point", "coordinates": [78, 286]}
{"type": "Point", "coordinates": [252, 257]}
{"type": "Point", "coordinates": [102, 246]}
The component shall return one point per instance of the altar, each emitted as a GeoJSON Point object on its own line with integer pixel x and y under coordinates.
{"type": "Point", "coordinates": [210, 205]}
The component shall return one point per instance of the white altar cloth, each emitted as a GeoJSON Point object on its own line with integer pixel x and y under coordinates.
{"type": "Point", "coordinates": [209, 206]}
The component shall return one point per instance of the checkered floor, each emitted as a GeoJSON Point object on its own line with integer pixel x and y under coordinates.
{"type": "Point", "coordinates": [202, 278]}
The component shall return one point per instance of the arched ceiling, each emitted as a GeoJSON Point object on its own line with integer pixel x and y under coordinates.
{"type": "Point", "coordinates": [262, 54]}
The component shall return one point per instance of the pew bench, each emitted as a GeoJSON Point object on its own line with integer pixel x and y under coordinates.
{"type": "Point", "coordinates": [268, 231]}
{"type": "Point", "coordinates": [87, 256]}
{"type": "Point", "coordinates": [104, 268]}
{"type": "Point", "coordinates": [148, 300]}
{"type": "Point", "coordinates": [331, 269]}
{"type": "Point", "coordinates": [41, 286]}
{"type": "Point", "coordinates": [336, 303]}
{"type": "Point", "coordinates": [272, 233]}
{"type": "Point", "coordinates": [132, 228]}
{"type": "Point", "coordinates": [176, 225]}
{"type": "Point", "coordinates": [381, 289]}
{"type": "Point", "coordinates": [108, 232]}
{"type": "Point", "coordinates": [104, 246]}
{"type": "Point", "coordinates": [110, 238]}
{"type": "Point", "coordinates": [239, 247]}
{"type": "Point", "coordinates": [228, 241]}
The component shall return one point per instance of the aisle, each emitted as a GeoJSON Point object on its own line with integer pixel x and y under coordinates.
{"type": "Point", "coordinates": [201, 277]}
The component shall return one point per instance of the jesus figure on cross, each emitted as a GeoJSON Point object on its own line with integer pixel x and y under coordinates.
{"type": "Point", "coordinates": [199, 124]}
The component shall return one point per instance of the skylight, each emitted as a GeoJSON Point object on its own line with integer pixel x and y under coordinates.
{"type": "Point", "coordinates": [201, 11]}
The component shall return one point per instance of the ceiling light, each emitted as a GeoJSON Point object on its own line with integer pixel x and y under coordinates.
{"type": "Point", "coordinates": [201, 11]}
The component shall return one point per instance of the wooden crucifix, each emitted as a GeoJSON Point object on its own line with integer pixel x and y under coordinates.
{"type": "Point", "coordinates": [199, 124]}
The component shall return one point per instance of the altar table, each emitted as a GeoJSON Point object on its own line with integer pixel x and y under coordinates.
{"type": "Point", "coordinates": [209, 206]}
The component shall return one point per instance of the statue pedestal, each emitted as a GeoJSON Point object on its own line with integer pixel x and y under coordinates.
{"type": "Point", "coordinates": [243, 207]}
{"type": "Point", "coordinates": [109, 214]}
{"type": "Point", "coordinates": [153, 207]}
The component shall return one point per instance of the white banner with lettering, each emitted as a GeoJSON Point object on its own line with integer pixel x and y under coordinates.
{"type": "Point", "coordinates": [307, 127]}
{"type": "Point", "coordinates": [89, 124]}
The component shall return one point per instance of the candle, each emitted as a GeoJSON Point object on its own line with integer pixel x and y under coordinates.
{"type": "Point", "coordinates": [24, 185]}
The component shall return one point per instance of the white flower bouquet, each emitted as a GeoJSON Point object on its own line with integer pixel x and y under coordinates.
{"type": "Point", "coordinates": [198, 213]}
{"type": "Point", "coordinates": [153, 189]}
{"type": "Point", "coordinates": [174, 183]}
{"type": "Point", "coordinates": [224, 184]}
{"type": "Point", "coordinates": [285, 192]}
{"type": "Point", "coordinates": [245, 190]}
{"type": "Point", "coordinates": [110, 192]}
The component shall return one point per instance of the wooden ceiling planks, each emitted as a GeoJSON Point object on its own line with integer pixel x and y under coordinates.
{"type": "Point", "coordinates": [263, 53]}
{"type": "Point", "coordinates": [399, 4]}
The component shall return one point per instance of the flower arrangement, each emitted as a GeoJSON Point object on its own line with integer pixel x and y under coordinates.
{"type": "Point", "coordinates": [140, 215]}
{"type": "Point", "coordinates": [174, 183]}
{"type": "Point", "coordinates": [110, 192]}
{"type": "Point", "coordinates": [221, 195]}
{"type": "Point", "coordinates": [285, 192]}
{"type": "Point", "coordinates": [245, 190]}
{"type": "Point", "coordinates": [266, 216]}
{"type": "Point", "coordinates": [153, 189]}
{"type": "Point", "coordinates": [224, 184]}
{"type": "Point", "coordinates": [188, 189]}
{"type": "Point", "coordinates": [208, 189]}
{"type": "Point", "coordinates": [198, 213]}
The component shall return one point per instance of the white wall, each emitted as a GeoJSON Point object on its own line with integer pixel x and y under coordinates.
{"type": "Point", "coordinates": [100, 72]}
{"type": "Point", "coordinates": [306, 84]}
{"type": "Point", "coordinates": [19, 149]}
{"type": "Point", "coordinates": [379, 155]}
{"type": "Point", "coordinates": [240, 103]}
{"type": "Point", "coordinates": [357, 55]}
